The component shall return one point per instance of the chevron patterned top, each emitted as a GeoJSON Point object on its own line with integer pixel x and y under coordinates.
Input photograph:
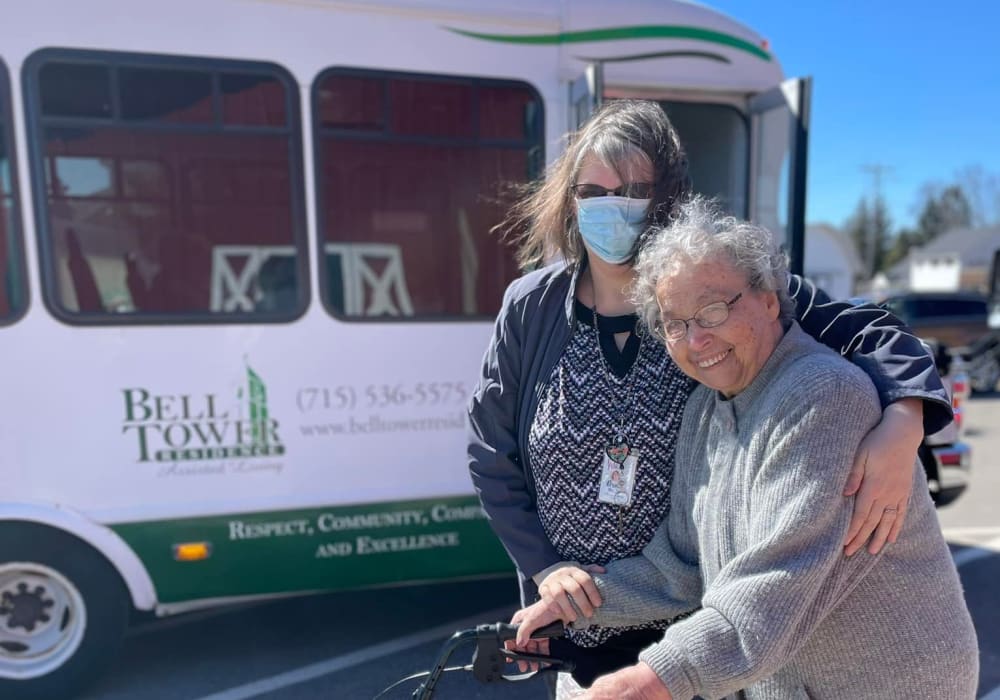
{"type": "Point", "coordinates": [575, 421]}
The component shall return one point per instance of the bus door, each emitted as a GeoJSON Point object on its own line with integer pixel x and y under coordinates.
{"type": "Point", "coordinates": [586, 94]}
{"type": "Point", "coordinates": [770, 191]}
{"type": "Point", "coordinates": [994, 303]}
{"type": "Point", "coordinates": [779, 130]}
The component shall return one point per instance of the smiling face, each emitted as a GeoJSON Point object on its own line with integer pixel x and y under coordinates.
{"type": "Point", "coordinates": [727, 357]}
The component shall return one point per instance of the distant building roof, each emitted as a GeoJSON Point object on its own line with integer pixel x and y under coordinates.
{"type": "Point", "coordinates": [973, 246]}
{"type": "Point", "coordinates": [841, 240]}
{"type": "Point", "coordinates": [830, 260]}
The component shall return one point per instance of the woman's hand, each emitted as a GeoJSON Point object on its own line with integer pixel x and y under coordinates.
{"type": "Point", "coordinates": [882, 476]}
{"type": "Point", "coordinates": [637, 682]}
{"type": "Point", "coordinates": [528, 620]}
{"type": "Point", "coordinates": [532, 618]}
{"type": "Point", "coordinates": [574, 582]}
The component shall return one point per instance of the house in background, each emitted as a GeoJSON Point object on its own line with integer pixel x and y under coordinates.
{"type": "Point", "coordinates": [957, 259]}
{"type": "Point", "coordinates": [831, 261]}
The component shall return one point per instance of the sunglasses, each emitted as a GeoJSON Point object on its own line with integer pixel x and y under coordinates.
{"type": "Point", "coordinates": [632, 190]}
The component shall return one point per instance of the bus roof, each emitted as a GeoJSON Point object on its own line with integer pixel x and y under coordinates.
{"type": "Point", "coordinates": [683, 45]}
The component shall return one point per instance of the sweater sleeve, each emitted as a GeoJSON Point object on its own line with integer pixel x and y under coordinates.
{"type": "Point", "coordinates": [659, 584]}
{"type": "Point", "coordinates": [875, 340]}
{"type": "Point", "coordinates": [767, 600]}
{"type": "Point", "coordinates": [495, 463]}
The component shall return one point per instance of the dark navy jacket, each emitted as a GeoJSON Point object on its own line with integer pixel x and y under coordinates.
{"type": "Point", "coordinates": [532, 330]}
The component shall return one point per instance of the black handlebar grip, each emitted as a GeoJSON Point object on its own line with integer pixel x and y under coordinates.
{"type": "Point", "coordinates": [550, 631]}
{"type": "Point", "coordinates": [505, 631]}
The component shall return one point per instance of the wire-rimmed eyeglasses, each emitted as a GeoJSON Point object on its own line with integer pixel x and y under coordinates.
{"type": "Point", "coordinates": [709, 316]}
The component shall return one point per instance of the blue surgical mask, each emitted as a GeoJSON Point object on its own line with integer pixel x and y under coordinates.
{"type": "Point", "coordinates": [611, 225]}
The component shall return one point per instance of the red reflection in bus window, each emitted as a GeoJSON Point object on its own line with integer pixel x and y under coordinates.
{"type": "Point", "coordinates": [346, 102]}
{"type": "Point", "coordinates": [161, 207]}
{"type": "Point", "coordinates": [144, 179]}
{"type": "Point", "coordinates": [252, 100]}
{"type": "Point", "coordinates": [506, 113]}
{"type": "Point", "coordinates": [419, 230]}
{"type": "Point", "coordinates": [427, 108]}
{"type": "Point", "coordinates": [407, 215]}
{"type": "Point", "coordinates": [140, 245]}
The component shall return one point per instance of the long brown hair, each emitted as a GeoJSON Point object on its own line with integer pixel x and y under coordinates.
{"type": "Point", "coordinates": [621, 134]}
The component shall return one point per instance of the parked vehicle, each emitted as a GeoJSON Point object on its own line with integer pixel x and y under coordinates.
{"type": "Point", "coordinates": [246, 279]}
{"type": "Point", "coordinates": [955, 319]}
{"type": "Point", "coordinates": [981, 361]}
{"type": "Point", "coordinates": [994, 287]}
{"type": "Point", "coordinates": [959, 321]}
{"type": "Point", "coordinates": [947, 459]}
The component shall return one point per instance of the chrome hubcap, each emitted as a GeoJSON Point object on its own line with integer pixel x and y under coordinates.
{"type": "Point", "coordinates": [42, 620]}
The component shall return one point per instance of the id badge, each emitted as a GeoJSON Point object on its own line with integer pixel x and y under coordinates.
{"type": "Point", "coordinates": [618, 475]}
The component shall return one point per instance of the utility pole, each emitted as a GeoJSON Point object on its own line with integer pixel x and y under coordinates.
{"type": "Point", "coordinates": [876, 170]}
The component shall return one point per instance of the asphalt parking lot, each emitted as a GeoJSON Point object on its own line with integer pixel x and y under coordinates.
{"type": "Point", "coordinates": [353, 645]}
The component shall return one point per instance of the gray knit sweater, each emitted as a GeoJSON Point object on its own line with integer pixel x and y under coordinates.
{"type": "Point", "coordinates": [755, 538]}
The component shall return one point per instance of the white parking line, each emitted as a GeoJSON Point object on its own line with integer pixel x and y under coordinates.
{"type": "Point", "coordinates": [976, 552]}
{"type": "Point", "coordinates": [339, 663]}
{"type": "Point", "coordinates": [163, 623]}
{"type": "Point", "coordinates": [964, 533]}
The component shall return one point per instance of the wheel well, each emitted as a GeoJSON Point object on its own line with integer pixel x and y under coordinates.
{"type": "Point", "coordinates": [70, 539]}
{"type": "Point", "coordinates": [56, 569]}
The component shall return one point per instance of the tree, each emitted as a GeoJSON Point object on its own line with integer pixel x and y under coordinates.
{"type": "Point", "coordinates": [982, 189]}
{"type": "Point", "coordinates": [869, 227]}
{"type": "Point", "coordinates": [942, 211]}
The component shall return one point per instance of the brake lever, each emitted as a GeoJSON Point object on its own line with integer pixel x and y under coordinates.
{"type": "Point", "coordinates": [551, 663]}
{"type": "Point", "coordinates": [490, 656]}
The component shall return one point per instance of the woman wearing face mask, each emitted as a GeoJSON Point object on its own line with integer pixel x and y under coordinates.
{"type": "Point", "coordinates": [573, 424]}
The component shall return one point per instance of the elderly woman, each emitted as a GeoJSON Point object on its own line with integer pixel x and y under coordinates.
{"type": "Point", "coordinates": [754, 536]}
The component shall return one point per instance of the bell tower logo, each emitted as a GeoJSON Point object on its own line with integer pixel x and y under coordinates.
{"type": "Point", "coordinates": [191, 427]}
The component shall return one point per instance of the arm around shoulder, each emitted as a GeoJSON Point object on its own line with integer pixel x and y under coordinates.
{"type": "Point", "coordinates": [878, 342]}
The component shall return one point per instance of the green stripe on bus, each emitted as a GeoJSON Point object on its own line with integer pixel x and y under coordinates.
{"type": "Point", "coordinates": [311, 549]}
{"type": "Point", "coordinates": [648, 31]}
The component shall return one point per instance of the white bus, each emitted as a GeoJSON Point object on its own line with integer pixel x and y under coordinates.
{"type": "Point", "coordinates": [246, 279]}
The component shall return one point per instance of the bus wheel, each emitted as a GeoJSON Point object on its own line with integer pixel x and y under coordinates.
{"type": "Point", "coordinates": [63, 611]}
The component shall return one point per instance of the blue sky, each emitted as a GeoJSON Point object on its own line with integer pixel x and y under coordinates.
{"type": "Point", "coordinates": [914, 86]}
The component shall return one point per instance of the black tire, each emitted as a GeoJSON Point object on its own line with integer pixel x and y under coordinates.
{"type": "Point", "coordinates": [929, 463]}
{"type": "Point", "coordinates": [948, 496]}
{"type": "Point", "coordinates": [106, 608]}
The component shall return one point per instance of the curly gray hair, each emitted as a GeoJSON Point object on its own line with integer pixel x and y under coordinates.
{"type": "Point", "coordinates": [701, 231]}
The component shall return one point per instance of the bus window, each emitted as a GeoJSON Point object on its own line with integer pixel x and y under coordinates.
{"type": "Point", "coordinates": [12, 283]}
{"type": "Point", "coordinates": [172, 188]}
{"type": "Point", "coordinates": [410, 171]}
{"type": "Point", "coordinates": [717, 142]}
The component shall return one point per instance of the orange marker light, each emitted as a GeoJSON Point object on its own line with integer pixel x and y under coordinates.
{"type": "Point", "coordinates": [192, 551]}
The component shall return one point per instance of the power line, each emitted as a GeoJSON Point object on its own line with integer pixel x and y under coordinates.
{"type": "Point", "coordinates": [877, 171]}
